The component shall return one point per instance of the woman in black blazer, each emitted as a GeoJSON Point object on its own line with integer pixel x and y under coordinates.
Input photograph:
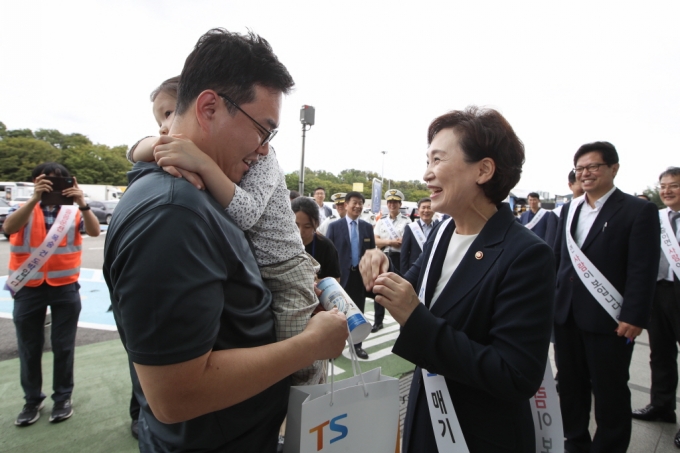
{"type": "Point", "coordinates": [482, 316]}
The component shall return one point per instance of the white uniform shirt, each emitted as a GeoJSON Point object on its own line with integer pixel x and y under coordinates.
{"type": "Point", "coordinates": [399, 223]}
{"type": "Point", "coordinates": [323, 228]}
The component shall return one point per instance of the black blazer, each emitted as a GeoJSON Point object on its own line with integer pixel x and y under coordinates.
{"type": "Point", "coordinates": [410, 250]}
{"type": "Point", "coordinates": [488, 334]}
{"type": "Point", "coordinates": [338, 232]}
{"type": "Point", "coordinates": [623, 244]}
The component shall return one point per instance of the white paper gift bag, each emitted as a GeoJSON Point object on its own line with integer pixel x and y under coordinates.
{"type": "Point", "coordinates": [359, 414]}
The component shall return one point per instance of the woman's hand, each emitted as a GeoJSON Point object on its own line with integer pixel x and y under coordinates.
{"type": "Point", "coordinates": [373, 263]}
{"type": "Point", "coordinates": [396, 295]}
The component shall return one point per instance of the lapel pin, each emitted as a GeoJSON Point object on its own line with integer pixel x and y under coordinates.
{"type": "Point", "coordinates": [479, 255]}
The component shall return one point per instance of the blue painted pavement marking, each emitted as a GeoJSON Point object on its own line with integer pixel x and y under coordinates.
{"type": "Point", "coordinates": [94, 296]}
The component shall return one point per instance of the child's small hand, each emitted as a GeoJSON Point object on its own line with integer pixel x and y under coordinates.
{"type": "Point", "coordinates": [181, 158]}
{"type": "Point", "coordinates": [193, 178]}
{"type": "Point", "coordinates": [177, 151]}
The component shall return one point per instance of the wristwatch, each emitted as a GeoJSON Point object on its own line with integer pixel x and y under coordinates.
{"type": "Point", "coordinates": [85, 208]}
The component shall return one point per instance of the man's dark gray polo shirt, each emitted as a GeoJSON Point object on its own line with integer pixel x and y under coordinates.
{"type": "Point", "coordinates": [183, 282]}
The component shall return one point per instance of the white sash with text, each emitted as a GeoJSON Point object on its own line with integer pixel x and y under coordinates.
{"type": "Point", "coordinates": [597, 284]}
{"type": "Point", "coordinates": [423, 285]}
{"type": "Point", "coordinates": [390, 228]}
{"type": "Point", "coordinates": [669, 243]}
{"type": "Point", "coordinates": [27, 269]}
{"type": "Point", "coordinates": [445, 424]}
{"type": "Point", "coordinates": [537, 218]}
{"type": "Point", "coordinates": [418, 234]}
{"type": "Point", "coordinates": [547, 416]}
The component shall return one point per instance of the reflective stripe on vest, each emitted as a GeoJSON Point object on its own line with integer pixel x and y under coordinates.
{"type": "Point", "coordinates": [63, 267]}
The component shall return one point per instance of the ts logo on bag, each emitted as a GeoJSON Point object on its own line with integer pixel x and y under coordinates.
{"type": "Point", "coordinates": [333, 426]}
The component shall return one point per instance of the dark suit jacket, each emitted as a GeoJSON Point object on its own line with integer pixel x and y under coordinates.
{"type": "Point", "coordinates": [623, 244]}
{"type": "Point", "coordinates": [410, 250]}
{"type": "Point", "coordinates": [545, 228]}
{"type": "Point", "coordinates": [488, 334]}
{"type": "Point", "coordinates": [338, 232]}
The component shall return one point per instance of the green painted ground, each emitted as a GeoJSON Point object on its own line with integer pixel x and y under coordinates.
{"type": "Point", "coordinates": [101, 397]}
{"type": "Point", "coordinates": [379, 348]}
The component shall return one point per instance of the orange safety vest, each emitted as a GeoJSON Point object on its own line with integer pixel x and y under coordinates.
{"type": "Point", "coordinates": [63, 267]}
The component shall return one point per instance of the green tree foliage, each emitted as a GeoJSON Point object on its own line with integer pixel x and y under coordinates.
{"type": "Point", "coordinates": [413, 190]}
{"type": "Point", "coordinates": [22, 149]}
{"type": "Point", "coordinates": [654, 197]}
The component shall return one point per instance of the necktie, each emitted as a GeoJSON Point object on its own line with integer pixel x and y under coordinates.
{"type": "Point", "coordinates": [674, 222]}
{"type": "Point", "coordinates": [354, 238]}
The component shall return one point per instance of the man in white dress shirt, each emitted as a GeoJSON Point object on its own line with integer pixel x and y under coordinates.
{"type": "Point", "coordinates": [664, 324]}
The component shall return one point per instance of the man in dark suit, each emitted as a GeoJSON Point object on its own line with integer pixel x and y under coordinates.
{"type": "Point", "coordinates": [411, 246]}
{"type": "Point", "coordinates": [664, 325]}
{"type": "Point", "coordinates": [319, 197]}
{"type": "Point", "coordinates": [595, 328]}
{"type": "Point", "coordinates": [540, 221]}
{"type": "Point", "coordinates": [350, 250]}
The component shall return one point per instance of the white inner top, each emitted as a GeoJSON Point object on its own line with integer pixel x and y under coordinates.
{"type": "Point", "coordinates": [458, 246]}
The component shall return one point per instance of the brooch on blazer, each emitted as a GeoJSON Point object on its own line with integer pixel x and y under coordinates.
{"type": "Point", "coordinates": [479, 255]}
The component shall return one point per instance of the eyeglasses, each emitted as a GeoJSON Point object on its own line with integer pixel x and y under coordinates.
{"type": "Point", "coordinates": [268, 134]}
{"type": "Point", "coordinates": [674, 186]}
{"type": "Point", "coordinates": [592, 168]}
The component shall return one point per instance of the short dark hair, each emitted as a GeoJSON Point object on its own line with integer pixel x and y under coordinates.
{"type": "Point", "coordinates": [486, 133]}
{"type": "Point", "coordinates": [533, 195]}
{"type": "Point", "coordinates": [168, 87]}
{"type": "Point", "coordinates": [424, 200]}
{"type": "Point", "coordinates": [308, 206]}
{"type": "Point", "coordinates": [670, 171]}
{"type": "Point", "coordinates": [606, 150]}
{"type": "Point", "coordinates": [232, 64]}
{"type": "Point", "coordinates": [294, 194]}
{"type": "Point", "coordinates": [354, 194]}
{"type": "Point", "coordinates": [320, 188]}
{"type": "Point", "coordinates": [571, 177]}
{"type": "Point", "coordinates": [50, 168]}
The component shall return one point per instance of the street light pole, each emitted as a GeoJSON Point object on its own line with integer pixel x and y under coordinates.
{"type": "Point", "coordinates": [382, 176]}
{"type": "Point", "coordinates": [307, 114]}
{"type": "Point", "coordinates": [301, 183]}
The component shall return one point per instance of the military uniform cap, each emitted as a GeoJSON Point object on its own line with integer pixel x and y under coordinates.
{"type": "Point", "coordinates": [394, 194]}
{"type": "Point", "coordinates": [338, 197]}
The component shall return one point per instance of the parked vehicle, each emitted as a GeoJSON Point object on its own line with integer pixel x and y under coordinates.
{"type": "Point", "coordinates": [103, 210]}
{"type": "Point", "coordinates": [13, 190]}
{"type": "Point", "coordinates": [4, 209]}
{"type": "Point", "coordinates": [101, 192]}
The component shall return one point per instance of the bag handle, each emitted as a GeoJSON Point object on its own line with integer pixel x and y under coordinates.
{"type": "Point", "coordinates": [355, 359]}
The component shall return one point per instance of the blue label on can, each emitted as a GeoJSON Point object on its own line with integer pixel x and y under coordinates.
{"type": "Point", "coordinates": [355, 320]}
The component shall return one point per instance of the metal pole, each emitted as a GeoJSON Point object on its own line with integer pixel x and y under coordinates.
{"type": "Point", "coordinates": [301, 183]}
{"type": "Point", "coordinates": [382, 176]}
